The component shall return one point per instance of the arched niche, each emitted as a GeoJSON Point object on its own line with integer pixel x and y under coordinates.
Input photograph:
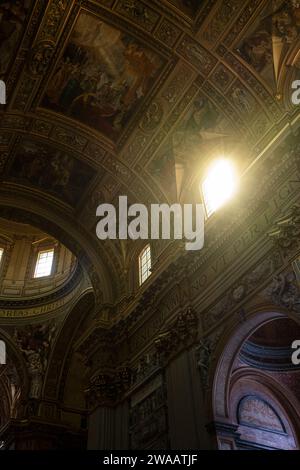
{"type": "Point", "coordinates": [269, 379]}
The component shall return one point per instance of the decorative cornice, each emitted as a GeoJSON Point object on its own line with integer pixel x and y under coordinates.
{"type": "Point", "coordinates": [63, 291]}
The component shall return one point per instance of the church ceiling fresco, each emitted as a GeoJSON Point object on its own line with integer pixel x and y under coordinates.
{"type": "Point", "coordinates": [190, 7]}
{"type": "Point", "coordinates": [102, 77]}
{"type": "Point", "coordinates": [162, 168]}
{"type": "Point", "coordinates": [202, 133]}
{"type": "Point", "coordinates": [110, 97]}
{"type": "Point", "coordinates": [130, 89]}
{"type": "Point", "coordinates": [269, 38]}
{"type": "Point", "coordinates": [50, 170]}
{"type": "Point", "coordinates": [202, 128]}
{"type": "Point", "coordinates": [13, 19]}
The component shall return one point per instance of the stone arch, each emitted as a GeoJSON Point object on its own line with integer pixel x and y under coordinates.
{"type": "Point", "coordinates": [222, 377]}
{"type": "Point", "coordinates": [18, 205]}
{"type": "Point", "coordinates": [273, 394]}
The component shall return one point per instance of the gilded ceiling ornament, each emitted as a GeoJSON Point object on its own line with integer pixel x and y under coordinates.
{"type": "Point", "coordinates": [41, 58]}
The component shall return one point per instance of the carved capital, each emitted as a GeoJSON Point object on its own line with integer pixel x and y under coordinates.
{"type": "Point", "coordinates": [181, 334]}
{"type": "Point", "coordinates": [107, 388]}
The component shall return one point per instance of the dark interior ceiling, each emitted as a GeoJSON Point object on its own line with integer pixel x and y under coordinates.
{"type": "Point", "coordinates": [279, 333]}
{"type": "Point", "coordinates": [134, 97]}
{"type": "Point", "coordinates": [270, 346]}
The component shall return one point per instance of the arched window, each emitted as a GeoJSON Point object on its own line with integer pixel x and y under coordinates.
{"type": "Point", "coordinates": [44, 263]}
{"type": "Point", "coordinates": [144, 264]}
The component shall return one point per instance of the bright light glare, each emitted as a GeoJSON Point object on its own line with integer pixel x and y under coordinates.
{"type": "Point", "coordinates": [44, 263]}
{"type": "Point", "coordinates": [145, 264]}
{"type": "Point", "coordinates": [219, 185]}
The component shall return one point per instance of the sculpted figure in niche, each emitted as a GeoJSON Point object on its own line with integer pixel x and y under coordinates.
{"type": "Point", "coordinates": [34, 342]}
{"type": "Point", "coordinates": [35, 370]}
